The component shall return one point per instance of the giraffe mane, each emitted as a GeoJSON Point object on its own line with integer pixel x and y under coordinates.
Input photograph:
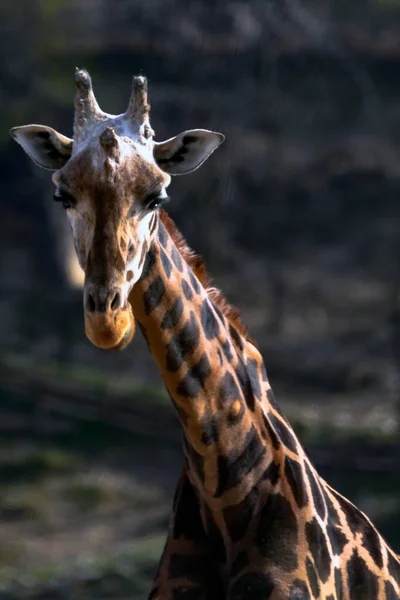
{"type": "Point", "coordinates": [197, 265]}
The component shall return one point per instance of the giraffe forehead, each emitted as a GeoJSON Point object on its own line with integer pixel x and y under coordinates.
{"type": "Point", "coordinates": [127, 129]}
{"type": "Point", "coordinates": [125, 176]}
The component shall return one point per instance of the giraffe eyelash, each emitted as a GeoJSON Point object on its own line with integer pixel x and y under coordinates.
{"type": "Point", "coordinates": [66, 199]}
{"type": "Point", "coordinates": [155, 200]}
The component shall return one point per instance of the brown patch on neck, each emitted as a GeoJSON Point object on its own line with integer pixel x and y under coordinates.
{"type": "Point", "coordinates": [196, 263]}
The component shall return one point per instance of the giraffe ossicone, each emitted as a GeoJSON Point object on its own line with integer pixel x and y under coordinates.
{"type": "Point", "coordinates": [252, 519]}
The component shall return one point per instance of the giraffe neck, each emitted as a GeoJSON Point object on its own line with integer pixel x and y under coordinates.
{"type": "Point", "coordinates": [260, 500]}
{"type": "Point", "coordinates": [214, 375]}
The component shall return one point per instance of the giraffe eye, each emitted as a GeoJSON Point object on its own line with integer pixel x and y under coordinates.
{"type": "Point", "coordinates": [155, 200]}
{"type": "Point", "coordinates": [66, 199]}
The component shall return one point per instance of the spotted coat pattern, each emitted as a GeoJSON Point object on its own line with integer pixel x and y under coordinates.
{"type": "Point", "coordinates": [252, 519]}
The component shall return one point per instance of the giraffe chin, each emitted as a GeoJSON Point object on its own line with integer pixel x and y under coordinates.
{"type": "Point", "coordinates": [110, 332]}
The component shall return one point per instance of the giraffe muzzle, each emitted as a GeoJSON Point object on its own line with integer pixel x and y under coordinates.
{"type": "Point", "coordinates": [109, 323]}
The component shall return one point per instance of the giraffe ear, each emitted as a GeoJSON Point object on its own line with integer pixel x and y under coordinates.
{"type": "Point", "coordinates": [187, 151]}
{"type": "Point", "coordinates": [46, 147]}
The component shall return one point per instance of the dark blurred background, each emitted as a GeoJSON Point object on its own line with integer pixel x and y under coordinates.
{"type": "Point", "coordinates": [297, 216]}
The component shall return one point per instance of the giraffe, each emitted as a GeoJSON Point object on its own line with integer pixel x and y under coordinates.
{"type": "Point", "coordinates": [251, 518]}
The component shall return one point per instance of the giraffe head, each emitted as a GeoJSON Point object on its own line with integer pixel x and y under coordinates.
{"type": "Point", "coordinates": [111, 178]}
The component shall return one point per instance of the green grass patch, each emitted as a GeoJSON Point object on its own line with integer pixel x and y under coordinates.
{"type": "Point", "coordinates": [73, 374]}
{"type": "Point", "coordinates": [126, 573]}
{"type": "Point", "coordinates": [10, 554]}
{"type": "Point", "coordinates": [34, 466]}
{"type": "Point", "coordinates": [86, 497]}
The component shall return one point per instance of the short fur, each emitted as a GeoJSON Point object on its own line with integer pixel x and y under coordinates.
{"type": "Point", "coordinates": [198, 267]}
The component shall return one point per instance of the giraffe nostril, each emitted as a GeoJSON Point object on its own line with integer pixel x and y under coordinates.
{"type": "Point", "coordinates": [116, 302]}
{"type": "Point", "coordinates": [129, 276]}
{"type": "Point", "coordinates": [90, 303]}
{"type": "Point", "coordinates": [131, 249]}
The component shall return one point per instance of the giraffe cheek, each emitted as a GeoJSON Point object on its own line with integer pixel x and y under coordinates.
{"type": "Point", "coordinates": [110, 332]}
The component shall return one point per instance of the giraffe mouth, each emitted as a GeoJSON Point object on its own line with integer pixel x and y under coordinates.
{"type": "Point", "coordinates": [110, 331]}
{"type": "Point", "coordinates": [127, 337]}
